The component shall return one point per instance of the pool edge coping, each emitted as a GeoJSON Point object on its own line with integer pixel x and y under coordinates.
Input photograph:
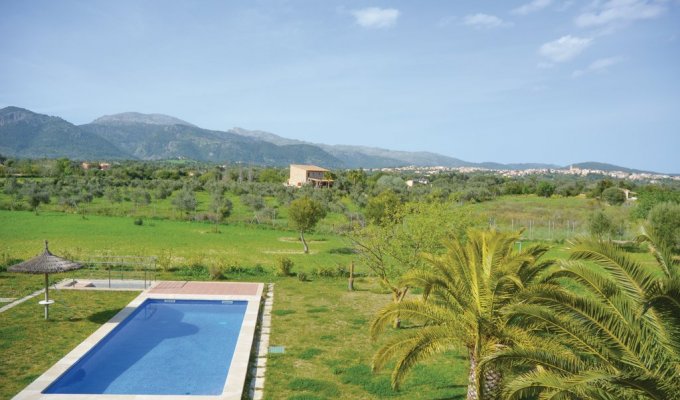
{"type": "Point", "coordinates": [234, 385]}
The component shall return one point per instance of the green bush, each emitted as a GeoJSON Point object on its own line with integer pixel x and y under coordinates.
{"type": "Point", "coordinates": [325, 272]}
{"type": "Point", "coordinates": [664, 218]}
{"type": "Point", "coordinates": [284, 266]}
{"type": "Point", "coordinates": [614, 196]}
{"type": "Point", "coordinates": [302, 277]}
{"type": "Point", "coordinates": [216, 272]}
{"type": "Point", "coordinates": [600, 225]}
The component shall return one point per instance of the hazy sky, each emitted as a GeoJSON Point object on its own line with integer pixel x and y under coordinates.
{"type": "Point", "coordinates": [509, 81]}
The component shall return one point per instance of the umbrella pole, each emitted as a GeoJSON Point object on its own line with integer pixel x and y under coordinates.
{"type": "Point", "coordinates": [47, 297]}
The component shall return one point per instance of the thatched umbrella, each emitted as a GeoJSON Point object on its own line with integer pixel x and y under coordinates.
{"type": "Point", "coordinates": [46, 263]}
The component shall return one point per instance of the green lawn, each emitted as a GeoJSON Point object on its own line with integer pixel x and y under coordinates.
{"type": "Point", "coordinates": [324, 329]}
{"type": "Point", "coordinates": [555, 218]}
{"type": "Point", "coordinates": [187, 243]}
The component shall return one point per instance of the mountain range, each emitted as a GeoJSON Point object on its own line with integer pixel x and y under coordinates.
{"type": "Point", "coordinates": [137, 136]}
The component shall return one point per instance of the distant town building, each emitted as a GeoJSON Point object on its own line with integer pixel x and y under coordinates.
{"type": "Point", "coordinates": [420, 181]}
{"type": "Point", "coordinates": [102, 166]}
{"type": "Point", "coordinates": [309, 175]}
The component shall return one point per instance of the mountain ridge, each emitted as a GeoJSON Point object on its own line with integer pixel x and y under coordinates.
{"type": "Point", "coordinates": [133, 135]}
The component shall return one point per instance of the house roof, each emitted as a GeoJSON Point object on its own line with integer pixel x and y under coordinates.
{"type": "Point", "coordinates": [309, 167]}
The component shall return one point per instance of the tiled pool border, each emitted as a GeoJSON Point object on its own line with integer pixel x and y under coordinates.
{"type": "Point", "coordinates": [234, 385]}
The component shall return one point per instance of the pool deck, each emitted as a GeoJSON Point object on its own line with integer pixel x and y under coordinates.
{"type": "Point", "coordinates": [179, 290]}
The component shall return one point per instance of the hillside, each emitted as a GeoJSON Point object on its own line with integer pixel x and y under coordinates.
{"type": "Point", "coordinates": [157, 140]}
{"type": "Point", "coordinates": [605, 167]}
{"type": "Point", "coordinates": [24, 133]}
{"type": "Point", "coordinates": [363, 156]}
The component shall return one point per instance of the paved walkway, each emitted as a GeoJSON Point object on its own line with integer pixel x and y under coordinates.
{"type": "Point", "coordinates": [206, 288]}
{"type": "Point", "coordinates": [21, 300]}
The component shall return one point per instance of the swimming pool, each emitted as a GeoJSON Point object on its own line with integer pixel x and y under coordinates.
{"type": "Point", "coordinates": [248, 294]}
{"type": "Point", "coordinates": [165, 347]}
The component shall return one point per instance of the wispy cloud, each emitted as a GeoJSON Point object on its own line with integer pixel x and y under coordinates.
{"type": "Point", "coordinates": [485, 21]}
{"type": "Point", "coordinates": [376, 18]}
{"type": "Point", "coordinates": [532, 6]}
{"type": "Point", "coordinates": [601, 65]}
{"type": "Point", "coordinates": [564, 48]}
{"type": "Point", "coordinates": [618, 11]}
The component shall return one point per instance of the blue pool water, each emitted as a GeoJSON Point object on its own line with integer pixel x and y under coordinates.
{"type": "Point", "coordinates": [182, 347]}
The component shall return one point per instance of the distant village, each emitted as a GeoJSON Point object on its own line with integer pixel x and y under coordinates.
{"type": "Point", "coordinates": [634, 176]}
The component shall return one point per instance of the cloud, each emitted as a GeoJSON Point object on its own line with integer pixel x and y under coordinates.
{"type": "Point", "coordinates": [620, 11]}
{"type": "Point", "coordinates": [532, 6]}
{"type": "Point", "coordinates": [376, 18]}
{"type": "Point", "coordinates": [485, 21]}
{"type": "Point", "coordinates": [564, 48]}
{"type": "Point", "coordinates": [600, 65]}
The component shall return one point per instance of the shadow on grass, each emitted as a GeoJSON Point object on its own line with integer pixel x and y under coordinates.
{"type": "Point", "coordinates": [456, 397]}
{"type": "Point", "coordinates": [101, 317]}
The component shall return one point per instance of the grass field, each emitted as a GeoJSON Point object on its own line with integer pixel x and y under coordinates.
{"type": "Point", "coordinates": [323, 327]}
{"type": "Point", "coordinates": [188, 243]}
{"type": "Point", "coordinates": [555, 218]}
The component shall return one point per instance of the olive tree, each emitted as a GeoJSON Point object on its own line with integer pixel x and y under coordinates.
{"type": "Point", "coordinates": [304, 214]}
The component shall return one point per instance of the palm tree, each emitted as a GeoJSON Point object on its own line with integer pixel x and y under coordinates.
{"type": "Point", "coordinates": [465, 293]}
{"type": "Point", "coordinates": [608, 328]}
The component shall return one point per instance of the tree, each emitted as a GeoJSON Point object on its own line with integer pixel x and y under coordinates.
{"type": "Point", "coordinates": [304, 213]}
{"type": "Point", "coordinates": [651, 196]}
{"type": "Point", "coordinates": [394, 247]}
{"type": "Point", "coordinates": [35, 195]}
{"type": "Point", "coordinates": [391, 182]}
{"type": "Point", "coordinates": [545, 189]}
{"type": "Point", "coordinates": [357, 177]}
{"type": "Point", "coordinates": [603, 326]}
{"type": "Point", "coordinates": [253, 201]}
{"type": "Point", "coordinates": [271, 175]}
{"type": "Point", "coordinates": [382, 207]}
{"type": "Point", "coordinates": [220, 207]}
{"type": "Point", "coordinates": [664, 219]}
{"type": "Point", "coordinates": [141, 197]}
{"type": "Point", "coordinates": [185, 200]}
{"type": "Point", "coordinates": [600, 224]}
{"type": "Point", "coordinates": [614, 196]}
{"type": "Point", "coordinates": [465, 295]}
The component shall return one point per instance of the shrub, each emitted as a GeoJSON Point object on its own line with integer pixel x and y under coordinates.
{"type": "Point", "coordinates": [600, 224]}
{"type": "Point", "coordinates": [325, 272]}
{"type": "Point", "coordinates": [302, 277]}
{"type": "Point", "coordinates": [194, 271]}
{"type": "Point", "coordinates": [139, 222]}
{"type": "Point", "coordinates": [216, 272]}
{"type": "Point", "coordinates": [614, 196]}
{"type": "Point", "coordinates": [665, 220]}
{"type": "Point", "coordinates": [284, 266]}
{"type": "Point", "coordinates": [341, 271]}
{"type": "Point", "coordinates": [545, 189]}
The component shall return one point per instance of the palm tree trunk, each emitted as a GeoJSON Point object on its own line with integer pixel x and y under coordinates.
{"type": "Point", "coordinates": [492, 384]}
{"type": "Point", "coordinates": [472, 391]}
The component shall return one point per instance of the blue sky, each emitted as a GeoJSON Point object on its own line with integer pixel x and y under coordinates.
{"type": "Point", "coordinates": [554, 81]}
